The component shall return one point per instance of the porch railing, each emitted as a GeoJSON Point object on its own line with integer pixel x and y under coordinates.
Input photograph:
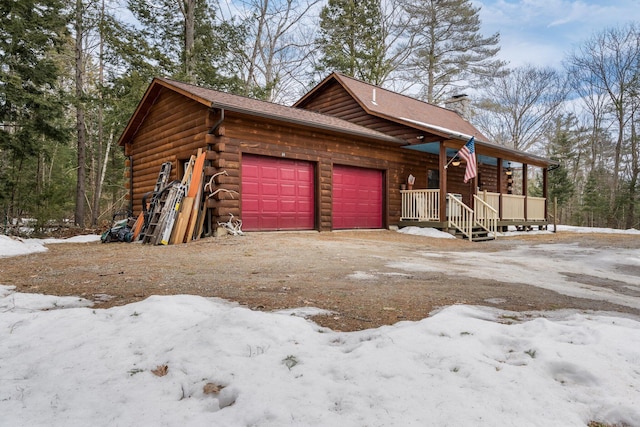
{"type": "Point", "coordinates": [460, 216]}
{"type": "Point", "coordinates": [535, 208]}
{"type": "Point", "coordinates": [486, 216]}
{"type": "Point", "coordinates": [420, 205]}
{"type": "Point", "coordinates": [424, 205]}
{"type": "Point", "coordinates": [513, 207]}
{"type": "Point", "coordinates": [492, 199]}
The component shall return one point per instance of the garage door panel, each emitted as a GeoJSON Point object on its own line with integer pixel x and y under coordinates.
{"type": "Point", "coordinates": [284, 190]}
{"type": "Point", "coordinates": [357, 197]}
{"type": "Point", "coordinates": [268, 172]}
{"type": "Point", "coordinates": [287, 189]}
{"type": "Point", "coordinates": [288, 174]}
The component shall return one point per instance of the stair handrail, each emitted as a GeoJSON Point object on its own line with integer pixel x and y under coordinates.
{"type": "Point", "coordinates": [486, 216]}
{"type": "Point", "coordinates": [460, 216]}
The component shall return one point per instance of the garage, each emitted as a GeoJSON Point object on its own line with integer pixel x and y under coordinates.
{"type": "Point", "coordinates": [277, 194]}
{"type": "Point", "coordinates": [357, 197]}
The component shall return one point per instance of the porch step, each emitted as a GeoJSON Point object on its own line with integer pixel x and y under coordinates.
{"type": "Point", "coordinates": [478, 234]}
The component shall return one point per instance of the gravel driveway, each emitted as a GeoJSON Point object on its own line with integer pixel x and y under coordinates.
{"type": "Point", "coordinates": [365, 278]}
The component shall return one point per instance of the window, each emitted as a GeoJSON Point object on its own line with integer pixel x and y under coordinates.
{"type": "Point", "coordinates": [433, 179]}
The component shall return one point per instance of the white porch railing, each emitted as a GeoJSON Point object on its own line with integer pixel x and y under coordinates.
{"type": "Point", "coordinates": [535, 208]}
{"type": "Point", "coordinates": [420, 205]}
{"type": "Point", "coordinates": [486, 216]}
{"type": "Point", "coordinates": [513, 207]}
{"type": "Point", "coordinates": [424, 205]}
{"type": "Point", "coordinates": [460, 216]}
{"type": "Point", "coordinates": [492, 199]}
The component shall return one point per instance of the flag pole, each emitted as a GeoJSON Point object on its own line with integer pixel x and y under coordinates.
{"type": "Point", "coordinates": [452, 159]}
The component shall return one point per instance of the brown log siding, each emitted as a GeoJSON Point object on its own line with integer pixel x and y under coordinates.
{"type": "Point", "coordinates": [177, 127]}
{"type": "Point", "coordinates": [174, 128]}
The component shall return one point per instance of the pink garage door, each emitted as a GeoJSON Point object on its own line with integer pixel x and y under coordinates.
{"type": "Point", "coordinates": [277, 194]}
{"type": "Point", "coordinates": [357, 198]}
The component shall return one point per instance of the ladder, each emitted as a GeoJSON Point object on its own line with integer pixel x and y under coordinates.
{"type": "Point", "coordinates": [154, 229]}
{"type": "Point", "coordinates": [155, 207]}
{"type": "Point", "coordinates": [163, 177]}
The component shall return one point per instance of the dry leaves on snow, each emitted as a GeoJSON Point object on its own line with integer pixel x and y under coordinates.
{"type": "Point", "coordinates": [160, 371]}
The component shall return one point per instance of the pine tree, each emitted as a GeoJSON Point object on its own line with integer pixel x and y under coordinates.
{"type": "Point", "coordinates": [595, 202]}
{"type": "Point", "coordinates": [31, 103]}
{"type": "Point", "coordinates": [187, 43]}
{"type": "Point", "coordinates": [564, 148]}
{"type": "Point", "coordinates": [352, 40]}
{"type": "Point", "coordinates": [452, 53]}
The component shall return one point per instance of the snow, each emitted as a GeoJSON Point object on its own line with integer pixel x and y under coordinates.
{"type": "Point", "coordinates": [63, 363]}
{"type": "Point", "coordinates": [573, 229]}
{"type": "Point", "coordinates": [426, 232]}
{"type": "Point", "coordinates": [14, 246]}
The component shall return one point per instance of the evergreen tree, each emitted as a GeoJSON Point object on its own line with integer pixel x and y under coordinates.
{"type": "Point", "coordinates": [187, 43]}
{"type": "Point", "coordinates": [352, 40]}
{"type": "Point", "coordinates": [595, 202]}
{"type": "Point", "coordinates": [31, 103]}
{"type": "Point", "coordinates": [563, 147]}
{"type": "Point", "coordinates": [451, 53]}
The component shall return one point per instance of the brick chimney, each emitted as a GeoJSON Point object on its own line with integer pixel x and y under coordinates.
{"type": "Point", "coordinates": [459, 104]}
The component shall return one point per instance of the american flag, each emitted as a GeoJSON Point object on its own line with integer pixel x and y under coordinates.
{"type": "Point", "coordinates": [468, 153]}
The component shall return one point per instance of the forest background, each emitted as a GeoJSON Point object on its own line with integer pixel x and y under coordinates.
{"type": "Point", "coordinates": [72, 73]}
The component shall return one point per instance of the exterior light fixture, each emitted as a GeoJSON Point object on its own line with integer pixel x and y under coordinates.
{"type": "Point", "coordinates": [508, 170]}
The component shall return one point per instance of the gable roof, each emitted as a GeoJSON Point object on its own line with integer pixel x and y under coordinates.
{"type": "Point", "coordinates": [416, 114]}
{"type": "Point", "coordinates": [400, 108]}
{"type": "Point", "coordinates": [240, 104]}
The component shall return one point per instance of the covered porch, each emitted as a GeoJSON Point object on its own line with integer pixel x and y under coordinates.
{"type": "Point", "coordinates": [492, 212]}
{"type": "Point", "coordinates": [496, 198]}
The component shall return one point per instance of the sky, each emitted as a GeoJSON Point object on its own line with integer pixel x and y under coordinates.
{"type": "Point", "coordinates": [542, 32]}
{"type": "Point", "coordinates": [191, 361]}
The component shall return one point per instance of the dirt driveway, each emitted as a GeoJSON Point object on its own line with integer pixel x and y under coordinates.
{"type": "Point", "coordinates": [345, 272]}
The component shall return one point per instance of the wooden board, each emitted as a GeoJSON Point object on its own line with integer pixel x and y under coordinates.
{"type": "Point", "coordinates": [180, 228]}
{"type": "Point", "coordinates": [137, 227]}
{"type": "Point", "coordinates": [196, 177]}
{"type": "Point", "coordinates": [193, 220]}
{"type": "Point", "coordinates": [202, 214]}
{"type": "Point", "coordinates": [195, 191]}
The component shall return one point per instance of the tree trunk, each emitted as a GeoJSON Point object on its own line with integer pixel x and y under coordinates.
{"type": "Point", "coordinates": [97, 191]}
{"type": "Point", "coordinates": [80, 120]}
{"type": "Point", "coordinates": [635, 172]}
{"type": "Point", "coordinates": [189, 38]}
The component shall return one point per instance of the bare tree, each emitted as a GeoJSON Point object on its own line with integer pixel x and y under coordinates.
{"type": "Point", "coordinates": [594, 103]}
{"type": "Point", "coordinates": [609, 62]}
{"type": "Point", "coordinates": [518, 109]}
{"type": "Point", "coordinates": [277, 47]}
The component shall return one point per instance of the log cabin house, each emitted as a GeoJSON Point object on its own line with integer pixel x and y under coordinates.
{"type": "Point", "coordinates": [340, 158]}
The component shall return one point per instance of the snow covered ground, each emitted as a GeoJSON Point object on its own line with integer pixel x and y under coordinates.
{"type": "Point", "coordinates": [192, 361]}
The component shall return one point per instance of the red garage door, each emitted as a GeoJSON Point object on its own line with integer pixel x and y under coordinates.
{"type": "Point", "coordinates": [277, 194]}
{"type": "Point", "coordinates": [357, 198]}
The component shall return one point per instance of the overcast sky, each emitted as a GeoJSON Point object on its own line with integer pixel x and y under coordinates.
{"type": "Point", "coordinates": [541, 32]}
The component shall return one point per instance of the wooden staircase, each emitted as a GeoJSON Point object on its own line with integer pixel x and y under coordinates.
{"type": "Point", "coordinates": [476, 225]}
{"type": "Point", "coordinates": [478, 234]}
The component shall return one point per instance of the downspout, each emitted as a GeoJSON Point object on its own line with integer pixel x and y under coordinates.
{"type": "Point", "coordinates": [217, 124]}
{"type": "Point", "coordinates": [213, 131]}
{"type": "Point", "coordinates": [131, 184]}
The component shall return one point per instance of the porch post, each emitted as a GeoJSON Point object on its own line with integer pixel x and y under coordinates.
{"type": "Point", "coordinates": [500, 175]}
{"type": "Point", "coordinates": [545, 192]}
{"type": "Point", "coordinates": [525, 190]}
{"type": "Point", "coordinates": [443, 181]}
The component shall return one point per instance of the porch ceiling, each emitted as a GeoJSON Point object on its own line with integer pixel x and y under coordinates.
{"type": "Point", "coordinates": [434, 148]}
